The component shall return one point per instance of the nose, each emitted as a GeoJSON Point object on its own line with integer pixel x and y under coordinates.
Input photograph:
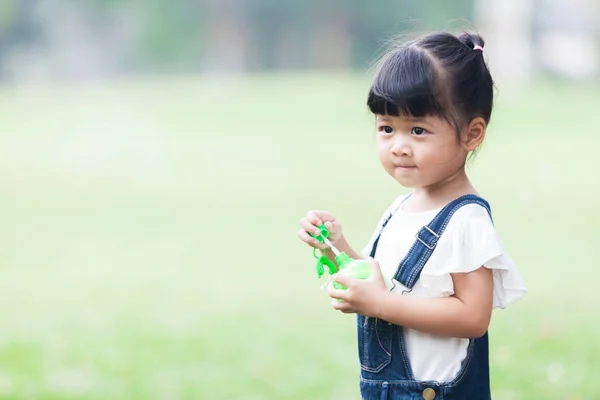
{"type": "Point", "coordinates": [401, 146]}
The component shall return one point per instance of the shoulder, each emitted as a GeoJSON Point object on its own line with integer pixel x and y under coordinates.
{"type": "Point", "coordinates": [472, 211]}
{"type": "Point", "coordinates": [470, 238]}
{"type": "Point", "coordinates": [471, 217]}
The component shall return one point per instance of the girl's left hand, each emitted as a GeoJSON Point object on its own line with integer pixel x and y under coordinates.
{"type": "Point", "coordinates": [362, 296]}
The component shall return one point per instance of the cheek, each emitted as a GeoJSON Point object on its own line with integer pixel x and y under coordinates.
{"type": "Point", "coordinates": [442, 152]}
{"type": "Point", "coordinates": [383, 153]}
{"type": "Point", "coordinates": [382, 150]}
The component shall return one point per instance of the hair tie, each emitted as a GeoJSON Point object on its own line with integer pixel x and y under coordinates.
{"type": "Point", "coordinates": [478, 47]}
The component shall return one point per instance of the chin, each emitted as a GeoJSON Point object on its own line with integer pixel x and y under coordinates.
{"type": "Point", "coordinates": [407, 183]}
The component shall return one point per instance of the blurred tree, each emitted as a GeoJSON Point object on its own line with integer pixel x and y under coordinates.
{"type": "Point", "coordinates": [506, 27]}
{"type": "Point", "coordinates": [236, 35]}
{"type": "Point", "coordinates": [374, 28]}
{"type": "Point", "coordinates": [16, 27]}
{"type": "Point", "coordinates": [226, 36]}
{"type": "Point", "coordinates": [172, 32]}
{"type": "Point", "coordinates": [340, 33]}
{"type": "Point", "coordinates": [165, 35]}
{"type": "Point", "coordinates": [280, 32]}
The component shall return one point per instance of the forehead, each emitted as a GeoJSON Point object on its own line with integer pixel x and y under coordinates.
{"type": "Point", "coordinates": [401, 119]}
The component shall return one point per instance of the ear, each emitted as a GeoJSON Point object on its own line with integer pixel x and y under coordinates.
{"type": "Point", "coordinates": [474, 134]}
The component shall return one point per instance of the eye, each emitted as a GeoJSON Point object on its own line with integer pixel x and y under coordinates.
{"type": "Point", "coordinates": [418, 131]}
{"type": "Point", "coordinates": [388, 130]}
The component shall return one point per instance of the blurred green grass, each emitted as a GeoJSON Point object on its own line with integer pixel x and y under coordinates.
{"type": "Point", "coordinates": [149, 237]}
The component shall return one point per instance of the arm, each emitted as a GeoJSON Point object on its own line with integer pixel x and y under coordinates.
{"type": "Point", "coordinates": [466, 314]}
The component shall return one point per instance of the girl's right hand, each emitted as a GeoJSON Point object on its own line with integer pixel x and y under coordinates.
{"type": "Point", "coordinates": [310, 224]}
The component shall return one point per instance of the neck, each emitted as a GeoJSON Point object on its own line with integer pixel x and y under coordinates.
{"type": "Point", "coordinates": [441, 193]}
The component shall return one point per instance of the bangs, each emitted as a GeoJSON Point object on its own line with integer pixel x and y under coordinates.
{"type": "Point", "coordinates": [406, 85]}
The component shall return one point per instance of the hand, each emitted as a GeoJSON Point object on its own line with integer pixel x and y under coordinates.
{"type": "Point", "coordinates": [311, 223]}
{"type": "Point", "coordinates": [362, 296]}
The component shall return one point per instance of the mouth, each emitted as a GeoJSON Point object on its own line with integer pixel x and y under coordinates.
{"type": "Point", "coordinates": [406, 166]}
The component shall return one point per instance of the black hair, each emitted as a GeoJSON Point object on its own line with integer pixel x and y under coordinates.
{"type": "Point", "coordinates": [440, 75]}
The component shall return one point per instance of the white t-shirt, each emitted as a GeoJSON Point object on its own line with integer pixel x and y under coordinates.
{"type": "Point", "coordinates": [468, 242]}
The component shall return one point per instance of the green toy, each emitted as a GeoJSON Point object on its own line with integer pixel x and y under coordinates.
{"type": "Point", "coordinates": [359, 269]}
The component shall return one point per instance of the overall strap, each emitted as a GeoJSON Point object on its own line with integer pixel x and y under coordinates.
{"type": "Point", "coordinates": [376, 242]}
{"type": "Point", "coordinates": [410, 267]}
{"type": "Point", "coordinates": [383, 224]}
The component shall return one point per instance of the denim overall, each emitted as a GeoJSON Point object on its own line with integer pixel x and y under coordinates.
{"type": "Point", "coordinates": [385, 368]}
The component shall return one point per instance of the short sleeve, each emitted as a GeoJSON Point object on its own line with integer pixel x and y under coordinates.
{"type": "Point", "coordinates": [469, 242]}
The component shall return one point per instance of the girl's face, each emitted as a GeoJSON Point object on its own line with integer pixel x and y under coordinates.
{"type": "Point", "coordinates": [419, 152]}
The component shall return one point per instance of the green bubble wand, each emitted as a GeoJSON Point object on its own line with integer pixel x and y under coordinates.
{"type": "Point", "coordinates": [359, 269]}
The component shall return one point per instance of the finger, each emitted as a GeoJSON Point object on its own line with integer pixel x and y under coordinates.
{"type": "Point", "coordinates": [305, 237]}
{"type": "Point", "coordinates": [332, 225]}
{"type": "Point", "coordinates": [375, 268]}
{"type": "Point", "coordinates": [337, 294]}
{"type": "Point", "coordinates": [342, 306]}
{"type": "Point", "coordinates": [309, 226]}
{"type": "Point", "coordinates": [343, 279]}
{"type": "Point", "coordinates": [314, 218]}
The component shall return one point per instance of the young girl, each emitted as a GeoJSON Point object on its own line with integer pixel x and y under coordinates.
{"type": "Point", "coordinates": [438, 265]}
